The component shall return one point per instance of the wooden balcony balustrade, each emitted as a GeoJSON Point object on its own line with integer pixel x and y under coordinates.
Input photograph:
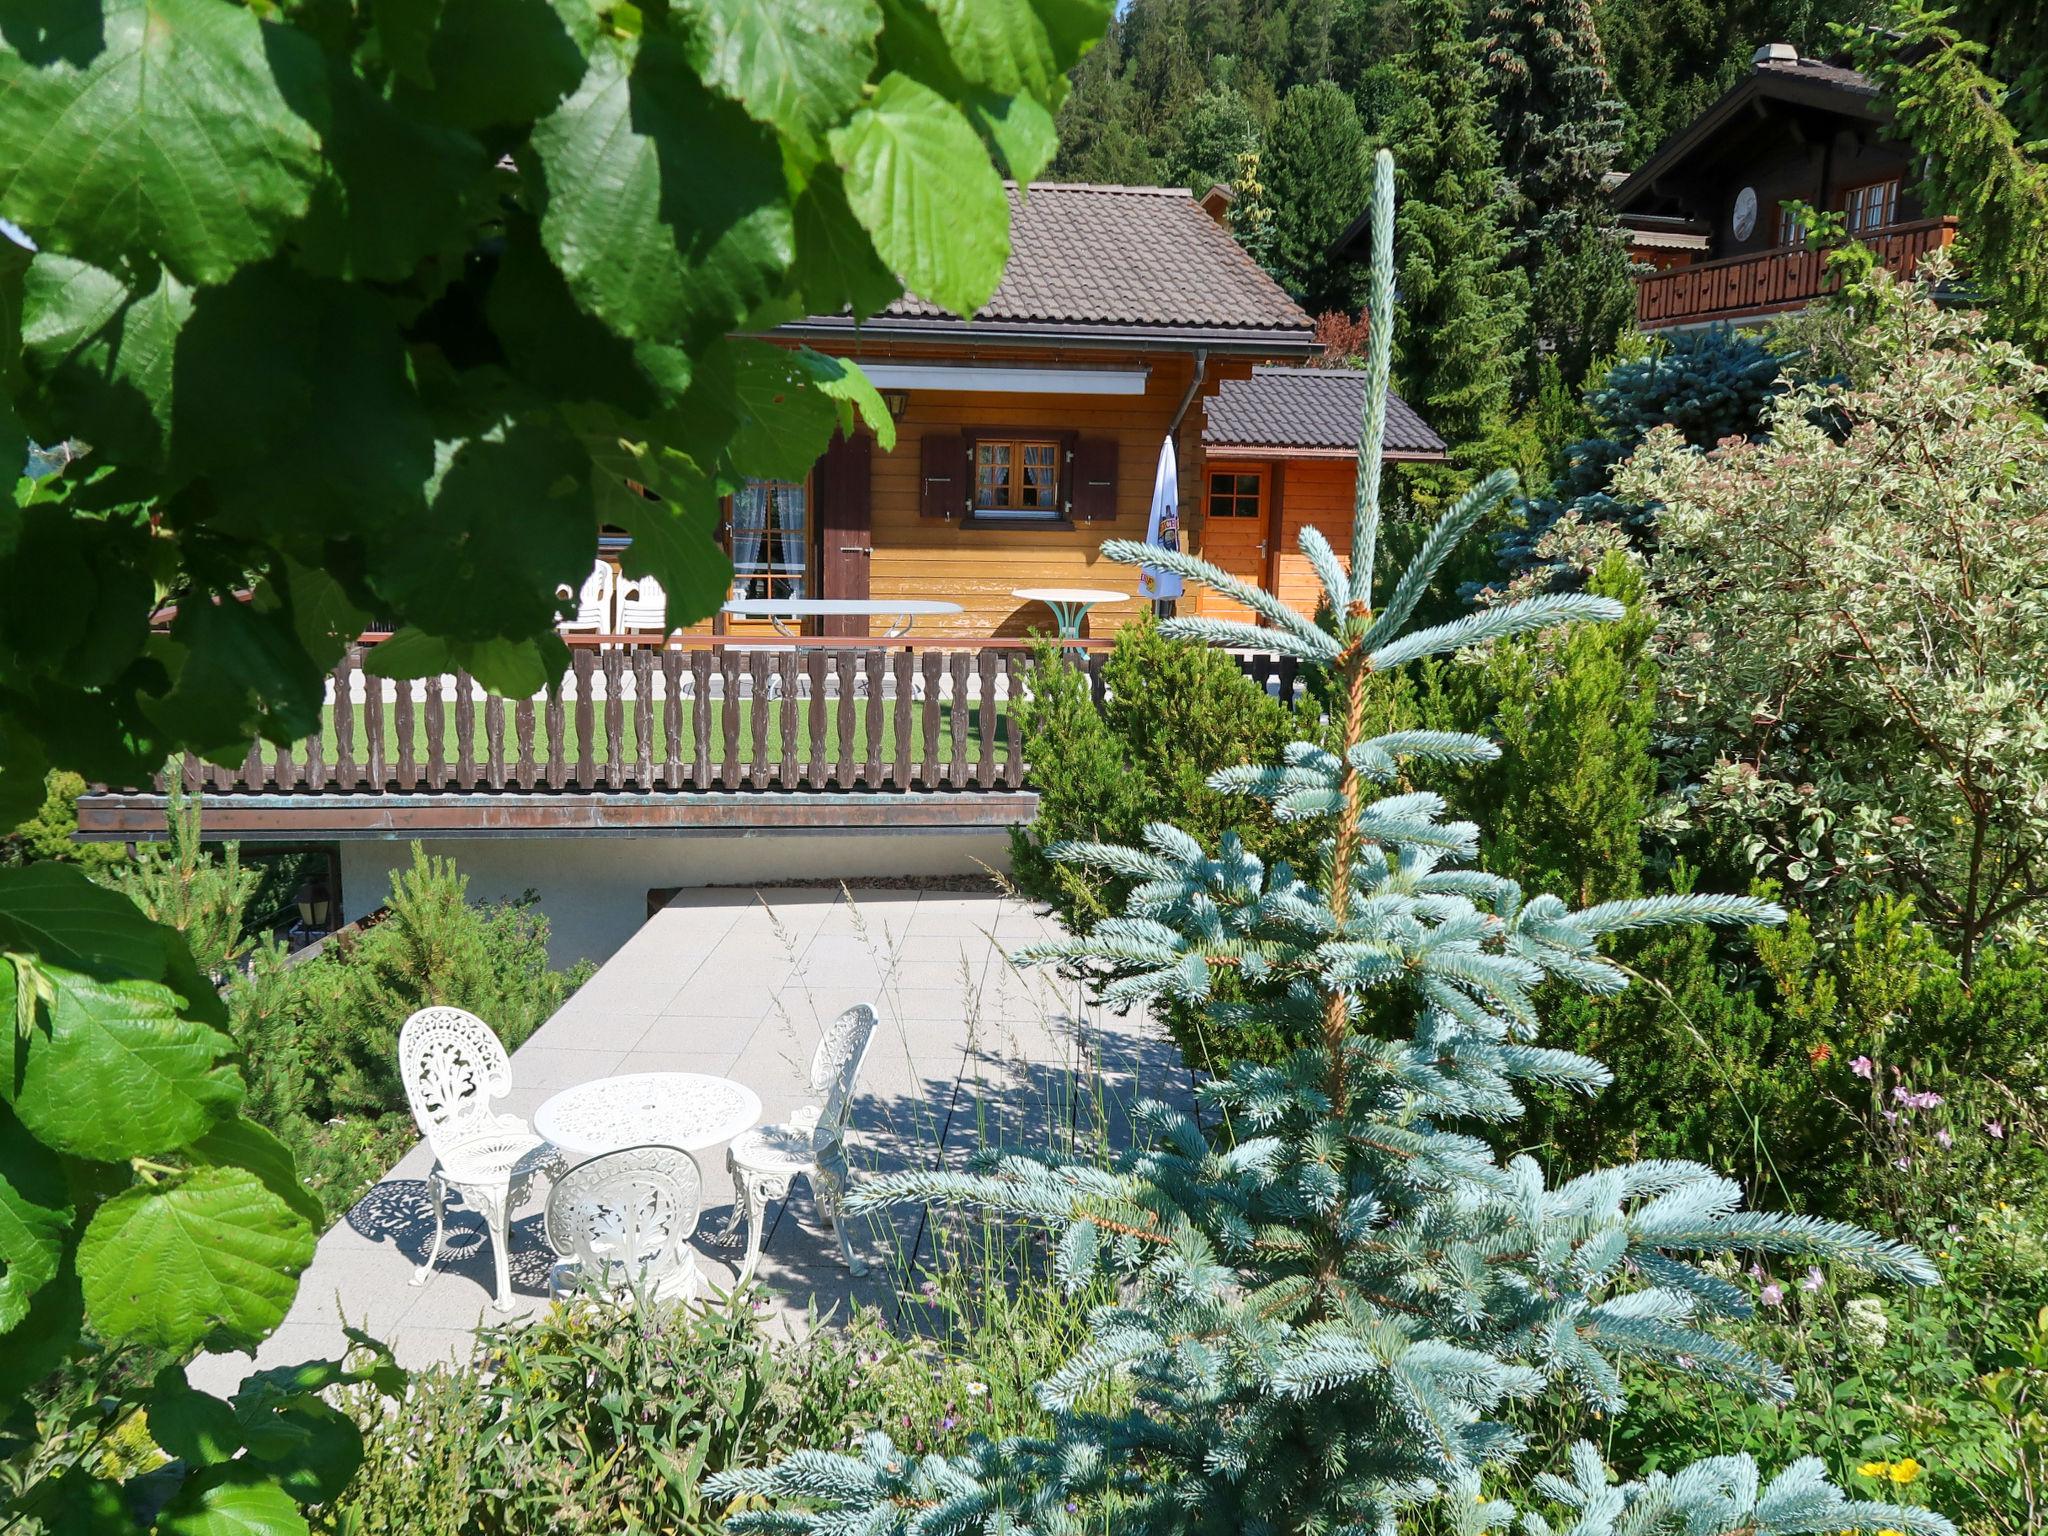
{"type": "Point", "coordinates": [1769, 282]}
{"type": "Point", "coordinates": [635, 716]}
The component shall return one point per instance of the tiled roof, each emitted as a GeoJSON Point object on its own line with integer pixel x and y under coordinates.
{"type": "Point", "coordinates": [1125, 259]}
{"type": "Point", "coordinates": [1307, 408]}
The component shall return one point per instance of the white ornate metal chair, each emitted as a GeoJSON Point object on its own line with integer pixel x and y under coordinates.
{"type": "Point", "coordinates": [643, 606]}
{"type": "Point", "coordinates": [453, 1068]}
{"type": "Point", "coordinates": [622, 1222]}
{"type": "Point", "coordinates": [811, 1144]}
{"type": "Point", "coordinates": [593, 601]}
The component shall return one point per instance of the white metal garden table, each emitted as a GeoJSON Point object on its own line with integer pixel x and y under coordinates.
{"type": "Point", "coordinates": [1070, 605]}
{"type": "Point", "coordinates": [902, 612]}
{"type": "Point", "coordinates": [691, 1110]}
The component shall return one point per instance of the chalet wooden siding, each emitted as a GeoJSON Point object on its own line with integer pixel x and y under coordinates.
{"type": "Point", "coordinates": [919, 556]}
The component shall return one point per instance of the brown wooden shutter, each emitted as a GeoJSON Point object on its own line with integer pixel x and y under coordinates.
{"type": "Point", "coordinates": [1093, 497]}
{"type": "Point", "coordinates": [942, 457]}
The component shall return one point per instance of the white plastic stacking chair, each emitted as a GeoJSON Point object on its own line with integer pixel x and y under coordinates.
{"type": "Point", "coordinates": [622, 1222]}
{"type": "Point", "coordinates": [811, 1144]}
{"type": "Point", "coordinates": [453, 1067]}
{"type": "Point", "coordinates": [593, 602]}
{"type": "Point", "coordinates": [643, 606]}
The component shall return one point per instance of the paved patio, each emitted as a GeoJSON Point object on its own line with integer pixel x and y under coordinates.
{"type": "Point", "coordinates": [740, 983]}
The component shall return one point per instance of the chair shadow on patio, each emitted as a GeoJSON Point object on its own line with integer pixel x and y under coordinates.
{"type": "Point", "coordinates": [399, 1213]}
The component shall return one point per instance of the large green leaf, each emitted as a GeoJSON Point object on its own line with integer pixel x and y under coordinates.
{"type": "Point", "coordinates": [556, 347]}
{"type": "Point", "coordinates": [999, 44]}
{"type": "Point", "coordinates": [510, 519]}
{"type": "Point", "coordinates": [1073, 27]}
{"type": "Point", "coordinates": [311, 1448]}
{"type": "Point", "coordinates": [919, 180]}
{"type": "Point", "coordinates": [45, 1338]}
{"type": "Point", "coordinates": [212, 1257]}
{"type": "Point", "coordinates": [101, 352]}
{"type": "Point", "coordinates": [244, 671]}
{"type": "Point", "coordinates": [52, 911]}
{"type": "Point", "coordinates": [837, 267]}
{"type": "Point", "coordinates": [239, 1142]}
{"type": "Point", "coordinates": [35, 1217]}
{"type": "Point", "coordinates": [195, 1426]}
{"type": "Point", "coordinates": [786, 419]}
{"type": "Point", "coordinates": [79, 591]}
{"type": "Point", "coordinates": [493, 62]}
{"type": "Point", "coordinates": [666, 207]}
{"type": "Point", "coordinates": [121, 1073]}
{"type": "Point", "coordinates": [192, 135]}
{"type": "Point", "coordinates": [22, 772]}
{"type": "Point", "coordinates": [357, 458]}
{"type": "Point", "coordinates": [231, 1501]}
{"type": "Point", "coordinates": [841, 379]}
{"type": "Point", "coordinates": [368, 222]}
{"type": "Point", "coordinates": [1021, 129]}
{"type": "Point", "coordinates": [797, 68]}
{"type": "Point", "coordinates": [515, 669]}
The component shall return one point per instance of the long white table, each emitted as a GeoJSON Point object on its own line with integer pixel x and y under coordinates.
{"type": "Point", "coordinates": [779, 610]}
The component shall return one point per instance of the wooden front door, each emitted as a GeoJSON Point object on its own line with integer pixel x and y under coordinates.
{"type": "Point", "coordinates": [846, 534]}
{"type": "Point", "coordinates": [1235, 536]}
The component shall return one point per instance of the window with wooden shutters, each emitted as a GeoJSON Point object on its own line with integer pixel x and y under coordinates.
{"type": "Point", "coordinates": [1019, 477]}
{"type": "Point", "coordinates": [1094, 480]}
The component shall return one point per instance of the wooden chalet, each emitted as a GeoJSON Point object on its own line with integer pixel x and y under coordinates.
{"type": "Point", "coordinates": [1710, 213]}
{"type": "Point", "coordinates": [1026, 436]}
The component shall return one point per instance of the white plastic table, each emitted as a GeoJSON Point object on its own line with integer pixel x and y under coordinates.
{"type": "Point", "coordinates": [904, 611]}
{"type": "Point", "coordinates": [691, 1110]}
{"type": "Point", "coordinates": [1070, 605]}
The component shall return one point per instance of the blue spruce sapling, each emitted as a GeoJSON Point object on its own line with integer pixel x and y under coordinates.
{"type": "Point", "coordinates": [1323, 1310]}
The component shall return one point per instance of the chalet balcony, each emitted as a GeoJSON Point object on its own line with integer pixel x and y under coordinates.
{"type": "Point", "coordinates": [645, 737]}
{"type": "Point", "coordinates": [1772, 282]}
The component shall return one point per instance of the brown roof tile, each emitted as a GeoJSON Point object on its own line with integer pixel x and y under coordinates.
{"type": "Point", "coordinates": [1307, 408]}
{"type": "Point", "coordinates": [1123, 259]}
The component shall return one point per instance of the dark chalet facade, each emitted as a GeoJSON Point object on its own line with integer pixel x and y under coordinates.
{"type": "Point", "coordinates": [1710, 213]}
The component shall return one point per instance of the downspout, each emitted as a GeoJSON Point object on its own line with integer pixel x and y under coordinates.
{"type": "Point", "coordinates": [1188, 399]}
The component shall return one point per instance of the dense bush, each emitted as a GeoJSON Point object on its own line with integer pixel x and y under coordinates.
{"type": "Point", "coordinates": [588, 1421]}
{"type": "Point", "coordinates": [1853, 671]}
{"type": "Point", "coordinates": [47, 833]}
{"type": "Point", "coordinates": [320, 1037]}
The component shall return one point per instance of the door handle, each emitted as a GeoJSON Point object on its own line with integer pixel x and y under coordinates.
{"type": "Point", "coordinates": [856, 549]}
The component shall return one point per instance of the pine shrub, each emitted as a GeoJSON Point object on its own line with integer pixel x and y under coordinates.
{"type": "Point", "coordinates": [1329, 1303]}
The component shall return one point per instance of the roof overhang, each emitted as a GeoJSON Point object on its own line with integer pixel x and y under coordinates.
{"type": "Point", "coordinates": [842, 330]}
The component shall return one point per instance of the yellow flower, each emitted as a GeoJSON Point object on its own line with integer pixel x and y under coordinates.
{"type": "Point", "coordinates": [1874, 1469]}
{"type": "Point", "coordinates": [1904, 1471]}
{"type": "Point", "coordinates": [1888, 1531]}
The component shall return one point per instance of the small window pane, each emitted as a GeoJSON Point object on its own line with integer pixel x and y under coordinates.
{"type": "Point", "coordinates": [992, 474]}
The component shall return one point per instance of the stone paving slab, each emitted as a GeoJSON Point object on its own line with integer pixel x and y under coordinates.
{"type": "Point", "coordinates": [740, 983]}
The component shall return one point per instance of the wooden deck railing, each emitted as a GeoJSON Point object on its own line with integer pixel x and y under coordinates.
{"type": "Point", "coordinates": [1741, 287]}
{"type": "Point", "coordinates": [633, 715]}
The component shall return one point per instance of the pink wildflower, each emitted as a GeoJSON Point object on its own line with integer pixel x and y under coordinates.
{"type": "Point", "coordinates": [1863, 1067]}
{"type": "Point", "coordinates": [1945, 1139]}
{"type": "Point", "coordinates": [1772, 1295]}
{"type": "Point", "coordinates": [1814, 1279]}
{"type": "Point", "coordinates": [1995, 1129]}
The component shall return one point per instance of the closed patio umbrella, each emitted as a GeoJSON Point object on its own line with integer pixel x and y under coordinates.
{"type": "Point", "coordinates": [1163, 527]}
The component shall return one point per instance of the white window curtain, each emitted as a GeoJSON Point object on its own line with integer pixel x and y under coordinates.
{"type": "Point", "coordinates": [749, 528]}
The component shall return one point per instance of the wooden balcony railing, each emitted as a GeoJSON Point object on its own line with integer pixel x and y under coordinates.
{"type": "Point", "coordinates": [1742, 287]}
{"type": "Point", "coordinates": [633, 715]}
